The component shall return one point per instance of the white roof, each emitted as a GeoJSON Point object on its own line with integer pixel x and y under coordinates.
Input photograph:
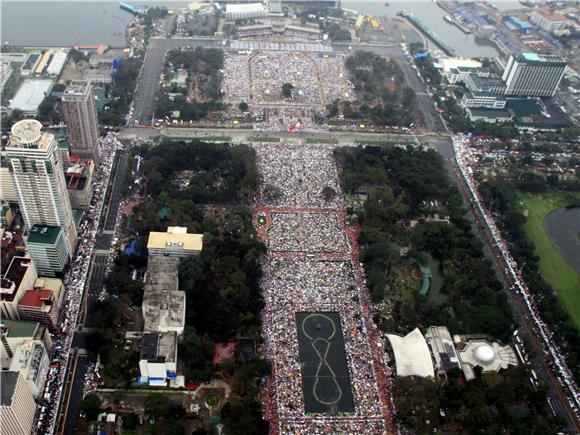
{"type": "Point", "coordinates": [244, 8]}
{"type": "Point", "coordinates": [454, 62]}
{"type": "Point", "coordinates": [30, 95]}
{"type": "Point", "coordinates": [57, 63]}
{"type": "Point", "coordinates": [412, 354]}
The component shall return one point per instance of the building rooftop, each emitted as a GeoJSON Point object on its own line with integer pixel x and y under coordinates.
{"type": "Point", "coordinates": [8, 380]}
{"type": "Point", "coordinates": [20, 328]}
{"type": "Point", "coordinates": [542, 58]}
{"type": "Point", "coordinates": [28, 134]}
{"type": "Point", "coordinates": [44, 234]}
{"type": "Point", "coordinates": [412, 356]}
{"type": "Point", "coordinates": [76, 88]}
{"type": "Point", "coordinates": [550, 14]}
{"type": "Point", "coordinates": [36, 298]}
{"type": "Point", "coordinates": [488, 113]}
{"type": "Point", "coordinates": [158, 346]}
{"type": "Point", "coordinates": [163, 304]}
{"type": "Point", "coordinates": [13, 277]}
{"type": "Point", "coordinates": [30, 95]}
{"type": "Point", "coordinates": [175, 236]}
{"type": "Point", "coordinates": [244, 8]}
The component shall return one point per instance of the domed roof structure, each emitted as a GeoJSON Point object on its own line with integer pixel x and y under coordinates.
{"type": "Point", "coordinates": [484, 353]}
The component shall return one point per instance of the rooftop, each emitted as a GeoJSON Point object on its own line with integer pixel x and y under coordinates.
{"type": "Point", "coordinates": [36, 298]}
{"type": "Point", "coordinates": [489, 113]}
{"type": "Point", "coordinates": [14, 274]}
{"type": "Point", "coordinates": [8, 381]}
{"type": "Point", "coordinates": [542, 58]}
{"type": "Point", "coordinates": [175, 236]}
{"type": "Point", "coordinates": [30, 95]}
{"type": "Point", "coordinates": [163, 304]}
{"type": "Point", "coordinates": [412, 356]}
{"type": "Point", "coordinates": [550, 14]}
{"type": "Point", "coordinates": [20, 328]}
{"type": "Point", "coordinates": [158, 346]}
{"type": "Point", "coordinates": [44, 234]}
{"type": "Point", "coordinates": [76, 88]}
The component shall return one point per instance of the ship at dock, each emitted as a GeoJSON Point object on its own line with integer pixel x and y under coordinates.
{"type": "Point", "coordinates": [457, 23]}
{"type": "Point", "coordinates": [135, 10]}
{"type": "Point", "coordinates": [427, 32]}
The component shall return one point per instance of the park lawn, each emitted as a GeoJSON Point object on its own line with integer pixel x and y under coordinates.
{"type": "Point", "coordinates": [264, 139]}
{"type": "Point", "coordinates": [323, 140]}
{"type": "Point", "coordinates": [199, 138]}
{"type": "Point", "coordinates": [381, 143]}
{"type": "Point", "coordinates": [553, 267]}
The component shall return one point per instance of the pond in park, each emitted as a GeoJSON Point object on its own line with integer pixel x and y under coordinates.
{"type": "Point", "coordinates": [563, 229]}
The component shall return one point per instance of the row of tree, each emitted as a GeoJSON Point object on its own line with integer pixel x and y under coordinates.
{"type": "Point", "coordinates": [380, 98]}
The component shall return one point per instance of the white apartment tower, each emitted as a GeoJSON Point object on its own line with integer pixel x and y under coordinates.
{"type": "Point", "coordinates": [533, 74]}
{"type": "Point", "coordinates": [80, 115]}
{"type": "Point", "coordinates": [37, 169]}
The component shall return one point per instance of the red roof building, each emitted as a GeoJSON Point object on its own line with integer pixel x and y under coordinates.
{"type": "Point", "coordinates": [40, 305]}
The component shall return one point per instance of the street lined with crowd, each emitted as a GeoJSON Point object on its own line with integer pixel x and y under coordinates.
{"type": "Point", "coordinates": [75, 282]}
{"type": "Point", "coordinates": [463, 155]}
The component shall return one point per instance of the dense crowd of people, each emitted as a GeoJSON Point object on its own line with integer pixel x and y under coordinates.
{"type": "Point", "coordinates": [302, 274]}
{"type": "Point", "coordinates": [306, 232]}
{"type": "Point", "coordinates": [464, 158]}
{"type": "Point", "coordinates": [75, 282]}
{"type": "Point", "coordinates": [299, 173]}
{"type": "Point", "coordinates": [257, 78]}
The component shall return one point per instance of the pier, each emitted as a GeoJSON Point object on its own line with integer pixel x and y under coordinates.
{"type": "Point", "coordinates": [428, 32]}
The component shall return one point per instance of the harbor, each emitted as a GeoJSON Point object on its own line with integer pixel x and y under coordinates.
{"type": "Point", "coordinates": [413, 19]}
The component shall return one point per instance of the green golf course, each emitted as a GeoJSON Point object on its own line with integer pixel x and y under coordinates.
{"type": "Point", "coordinates": [553, 267]}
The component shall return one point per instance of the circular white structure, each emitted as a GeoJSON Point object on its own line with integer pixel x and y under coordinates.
{"type": "Point", "coordinates": [484, 353]}
{"type": "Point", "coordinates": [27, 131]}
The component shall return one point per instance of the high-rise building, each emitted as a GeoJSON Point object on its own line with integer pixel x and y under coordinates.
{"type": "Point", "coordinates": [47, 245]}
{"type": "Point", "coordinates": [80, 115]}
{"type": "Point", "coordinates": [37, 170]}
{"type": "Point", "coordinates": [533, 74]}
{"type": "Point", "coordinates": [17, 406]}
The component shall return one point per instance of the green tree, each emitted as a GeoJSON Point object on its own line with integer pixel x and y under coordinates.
{"type": "Point", "coordinates": [91, 406]}
{"type": "Point", "coordinates": [157, 405]}
{"type": "Point", "coordinates": [243, 106]}
{"type": "Point", "coordinates": [287, 90]}
{"type": "Point", "coordinates": [328, 193]}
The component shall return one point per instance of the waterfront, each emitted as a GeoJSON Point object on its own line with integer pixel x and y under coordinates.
{"type": "Point", "coordinates": [432, 16]}
{"type": "Point", "coordinates": [563, 229]}
{"type": "Point", "coordinates": [62, 24]}
{"type": "Point", "coordinates": [84, 22]}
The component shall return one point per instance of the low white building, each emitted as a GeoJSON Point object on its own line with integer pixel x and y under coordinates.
{"type": "Point", "coordinates": [245, 11]}
{"type": "Point", "coordinates": [158, 361]}
{"type": "Point", "coordinates": [489, 356]}
{"type": "Point", "coordinates": [30, 95]}
{"type": "Point", "coordinates": [483, 99]}
{"type": "Point", "coordinates": [412, 356]}
{"type": "Point", "coordinates": [175, 242]}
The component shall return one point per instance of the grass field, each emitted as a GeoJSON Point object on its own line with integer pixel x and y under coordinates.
{"type": "Point", "coordinates": [321, 140]}
{"type": "Point", "coordinates": [554, 269]}
{"type": "Point", "coordinates": [264, 139]}
{"type": "Point", "coordinates": [200, 138]}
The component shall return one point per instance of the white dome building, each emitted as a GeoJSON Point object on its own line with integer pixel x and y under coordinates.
{"type": "Point", "coordinates": [491, 357]}
{"type": "Point", "coordinates": [484, 354]}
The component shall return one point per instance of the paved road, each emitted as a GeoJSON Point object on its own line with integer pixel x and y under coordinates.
{"type": "Point", "coordinates": [76, 393]}
{"type": "Point", "coordinates": [148, 82]}
{"type": "Point", "coordinates": [539, 360]}
{"type": "Point", "coordinates": [97, 276]}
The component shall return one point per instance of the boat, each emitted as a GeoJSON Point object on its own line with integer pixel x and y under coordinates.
{"type": "Point", "coordinates": [449, 19]}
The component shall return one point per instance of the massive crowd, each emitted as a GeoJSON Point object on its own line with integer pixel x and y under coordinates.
{"type": "Point", "coordinates": [464, 159]}
{"type": "Point", "coordinates": [300, 274]}
{"type": "Point", "coordinates": [256, 77]}
{"type": "Point", "coordinates": [300, 172]}
{"type": "Point", "coordinates": [75, 282]}
{"type": "Point", "coordinates": [306, 232]}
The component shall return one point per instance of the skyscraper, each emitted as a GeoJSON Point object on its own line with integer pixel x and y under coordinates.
{"type": "Point", "coordinates": [533, 74]}
{"type": "Point", "coordinates": [37, 170]}
{"type": "Point", "coordinates": [80, 115]}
